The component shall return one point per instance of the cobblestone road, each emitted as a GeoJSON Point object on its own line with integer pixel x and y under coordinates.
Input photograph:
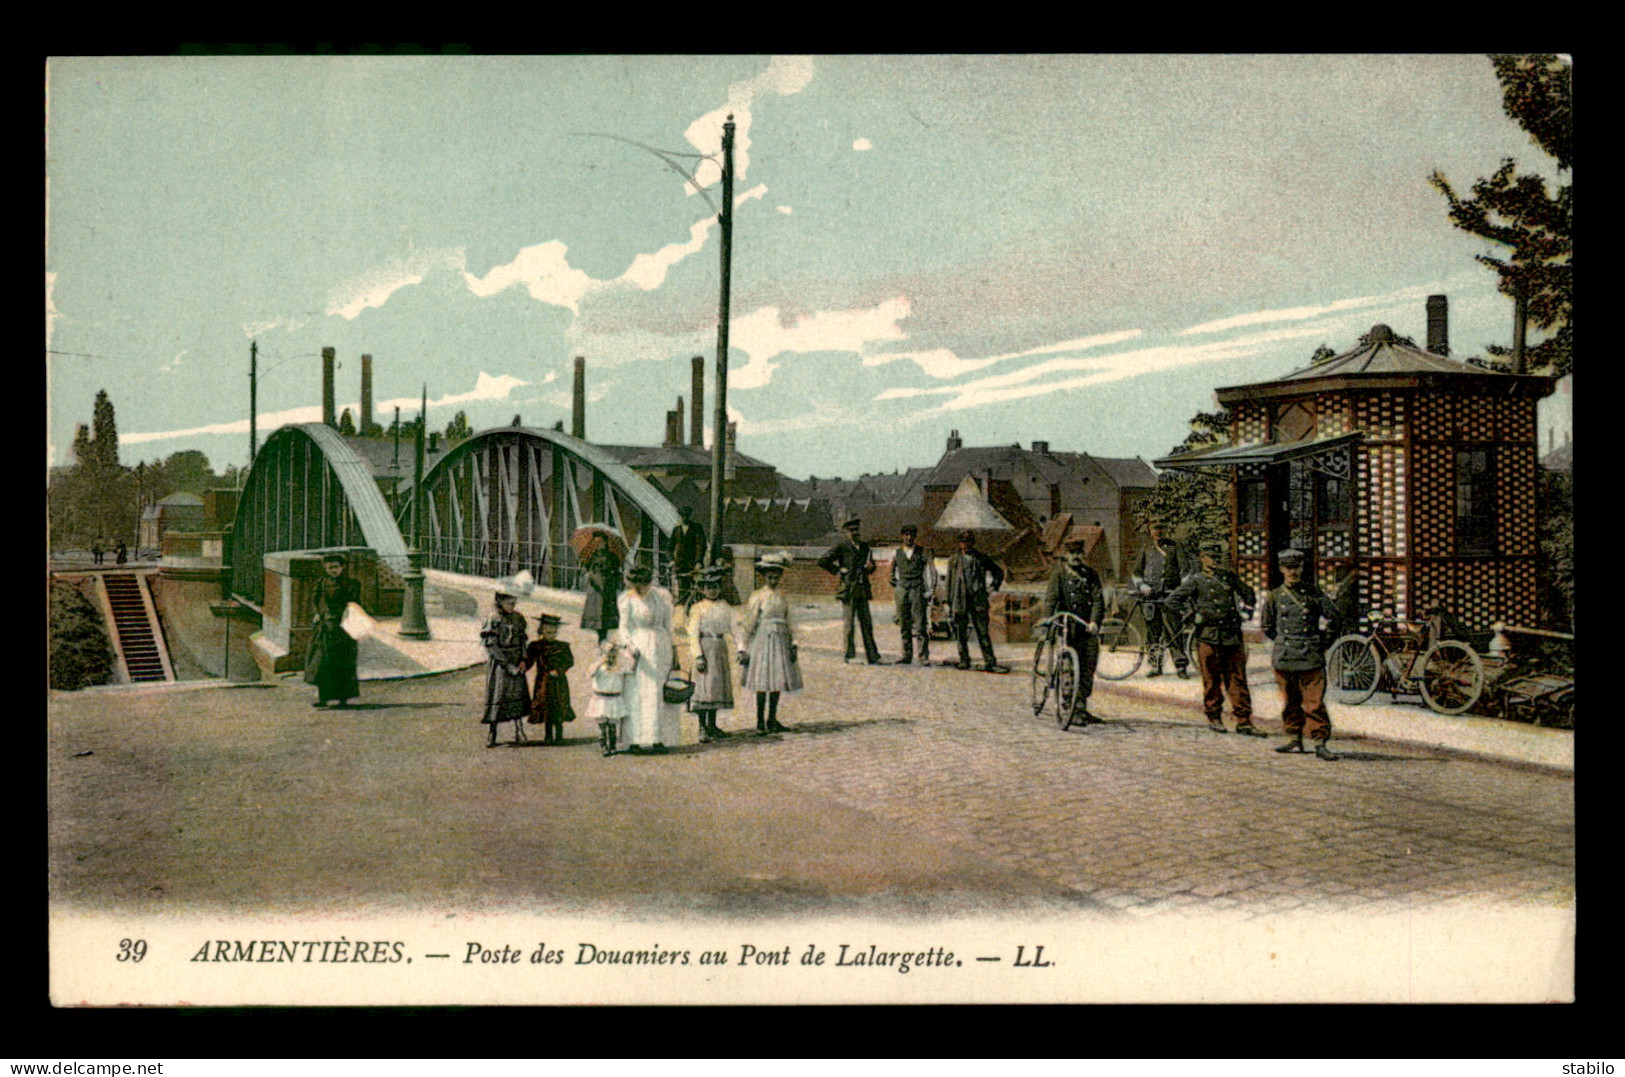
{"type": "Point", "coordinates": [1151, 811]}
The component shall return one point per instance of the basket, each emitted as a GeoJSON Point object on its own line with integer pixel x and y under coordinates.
{"type": "Point", "coordinates": [677, 689]}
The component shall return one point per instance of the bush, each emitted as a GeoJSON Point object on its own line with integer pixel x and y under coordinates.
{"type": "Point", "coordinates": [80, 654]}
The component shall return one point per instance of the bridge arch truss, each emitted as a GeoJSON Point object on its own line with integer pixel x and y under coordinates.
{"type": "Point", "coordinates": [507, 500]}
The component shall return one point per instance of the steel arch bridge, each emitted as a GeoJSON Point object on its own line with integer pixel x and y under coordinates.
{"type": "Point", "coordinates": [308, 490]}
{"type": "Point", "coordinates": [507, 499]}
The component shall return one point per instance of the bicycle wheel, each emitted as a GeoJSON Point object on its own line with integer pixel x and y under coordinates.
{"type": "Point", "coordinates": [1043, 666]}
{"type": "Point", "coordinates": [1122, 649]}
{"type": "Point", "coordinates": [1353, 669]}
{"type": "Point", "coordinates": [1066, 686]}
{"type": "Point", "coordinates": [1452, 677]}
{"type": "Point", "coordinates": [1187, 643]}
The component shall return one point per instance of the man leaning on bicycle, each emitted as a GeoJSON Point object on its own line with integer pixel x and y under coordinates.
{"type": "Point", "coordinates": [1162, 566]}
{"type": "Point", "coordinates": [1075, 588]}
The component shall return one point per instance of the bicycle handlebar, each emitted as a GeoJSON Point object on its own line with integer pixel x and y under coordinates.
{"type": "Point", "coordinates": [1058, 619]}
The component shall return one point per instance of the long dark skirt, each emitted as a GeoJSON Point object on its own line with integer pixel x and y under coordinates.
{"type": "Point", "coordinates": [330, 664]}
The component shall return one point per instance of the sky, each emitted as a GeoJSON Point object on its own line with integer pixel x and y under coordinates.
{"type": "Point", "coordinates": [1067, 249]}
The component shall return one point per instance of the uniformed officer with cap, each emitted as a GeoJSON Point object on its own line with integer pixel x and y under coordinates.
{"type": "Point", "coordinates": [852, 561]}
{"type": "Point", "coordinates": [1074, 587]}
{"type": "Point", "coordinates": [1219, 600]}
{"type": "Point", "coordinates": [1292, 616]}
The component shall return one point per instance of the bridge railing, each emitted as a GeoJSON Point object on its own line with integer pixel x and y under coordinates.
{"type": "Point", "coordinates": [551, 564]}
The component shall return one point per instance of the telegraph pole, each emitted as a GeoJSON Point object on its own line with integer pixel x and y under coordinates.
{"type": "Point", "coordinates": [253, 400]}
{"type": "Point", "coordinates": [719, 425]}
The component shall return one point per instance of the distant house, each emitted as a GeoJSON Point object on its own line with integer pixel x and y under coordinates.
{"type": "Point", "coordinates": [1412, 473]}
{"type": "Point", "coordinates": [177, 512]}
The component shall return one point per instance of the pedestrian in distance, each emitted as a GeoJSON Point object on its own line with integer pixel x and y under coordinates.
{"type": "Point", "coordinates": [1162, 567]}
{"type": "Point", "coordinates": [551, 658]}
{"type": "Point", "coordinates": [123, 552]}
{"type": "Point", "coordinates": [710, 639]}
{"type": "Point", "coordinates": [600, 612]}
{"type": "Point", "coordinates": [853, 562]}
{"type": "Point", "coordinates": [913, 580]}
{"type": "Point", "coordinates": [645, 612]}
{"type": "Point", "coordinates": [330, 663]}
{"type": "Point", "coordinates": [768, 658]}
{"type": "Point", "coordinates": [1074, 587]}
{"type": "Point", "coordinates": [1220, 600]}
{"type": "Point", "coordinates": [1297, 617]}
{"type": "Point", "coordinates": [507, 696]}
{"type": "Point", "coordinates": [686, 548]}
{"type": "Point", "coordinates": [97, 552]}
{"type": "Point", "coordinates": [973, 577]}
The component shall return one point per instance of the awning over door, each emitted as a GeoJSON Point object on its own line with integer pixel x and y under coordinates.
{"type": "Point", "coordinates": [1244, 455]}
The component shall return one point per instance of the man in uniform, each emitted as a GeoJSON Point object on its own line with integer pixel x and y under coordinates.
{"type": "Point", "coordinates": [687, 551]}
{"type": "Point", "coordinates": [1163, 565]}
{"type": "Point", "coordinates": [1075, 588]}
{"type": "Point", "coordinates": [973, 577]}
{"type": "Point", "coordinates": [1215, 593]}
{"type": "Point", "coordinates": [913, 579]}
{"type": "Point", "coordinates": [854, 563]}
{"type": "Point", "coordinates": [1292, 616]}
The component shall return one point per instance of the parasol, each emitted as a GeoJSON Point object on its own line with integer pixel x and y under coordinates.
{"type": "Point", "coordinates": [582, 535]}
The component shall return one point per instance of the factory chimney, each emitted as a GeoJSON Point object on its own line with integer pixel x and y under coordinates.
{"type": "Point", "coordinates": [697, 439]}
{"type": "Point", "coordinates": [677, 435]}
{"type": "Point", "coordinates": [327, 387]}
{"type": "Point", "coordinates": [1438, 325]}
{"type": "Point", "coordinates": [364, 427]}
{"type": "Point", "coordinates": [578, 404]}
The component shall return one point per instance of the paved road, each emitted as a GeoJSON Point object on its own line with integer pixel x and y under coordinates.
{"type": "Point", "coordinates": [927, 788]}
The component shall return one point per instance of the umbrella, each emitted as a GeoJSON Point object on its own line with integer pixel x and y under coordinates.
{"type": "Point", "coordinates": [582, 535]}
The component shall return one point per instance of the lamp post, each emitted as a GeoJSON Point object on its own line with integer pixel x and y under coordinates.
{"type": "Point", "coordinates": [414, 618]}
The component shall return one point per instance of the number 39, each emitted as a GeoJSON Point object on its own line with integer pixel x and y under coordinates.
{"type": "Point", "coordinates": [132, 949]}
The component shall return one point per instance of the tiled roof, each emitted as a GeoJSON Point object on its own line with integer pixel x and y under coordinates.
{"type": "Point", "coordinates": [1128, 473]}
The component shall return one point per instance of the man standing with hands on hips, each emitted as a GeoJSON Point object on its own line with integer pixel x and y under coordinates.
{"type": "Point", "coordinates": [972, 578]}
{"type": "Point", "coordinates": [854, 563]}
{"type": "Point", "coordinates": [1220, 600]}
{"type": "Point", "coordinates": [1292, 616]}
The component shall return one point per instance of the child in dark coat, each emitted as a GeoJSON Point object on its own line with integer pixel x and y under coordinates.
{"type": "Point", "coordinates": [550, 698]}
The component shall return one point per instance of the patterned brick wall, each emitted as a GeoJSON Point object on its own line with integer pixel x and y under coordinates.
{"type": "Point", "coordinates": [1516, 472]}
{"type": "Point", "coordinates": [1253, 571]}
{"type": "Point", "coordinates": [1333, 544]}
{"type": "Point", "coordinates": [1434, 503]}
{"type": "Point", "coordinates": [1250, 423]}
{"type": "Point", "coordinates": [1383, 587]}
{"type": "Point", "coordinates": [1380, 491]}
{"type": "Point", "coordinates": [1332, 416]}
{"type": "Point", "coordinates": [1382, 416]}
{"type": "Point", "coordinates": [1250, 543]}
{"type": "Point", "coordinates": [1478, 592]}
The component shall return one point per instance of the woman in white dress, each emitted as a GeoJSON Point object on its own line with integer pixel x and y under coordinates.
{"type": "Point", "coordinates": [645, 630]}
{"type": "Point", "coordinates": [768, 655]}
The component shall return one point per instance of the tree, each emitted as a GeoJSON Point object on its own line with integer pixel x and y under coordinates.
{"type": "Point", "coordinates": [105, 446]}
{"type": "Point", "coordinates": [1322, 354]}
{"type": "Point", "coordinates": [346, 424]}
{"type": "Point", "coordinates": [458, 429]}
{"type": "Point", "coordinates": [1515, 211]}
{"type": "Point", "coordinates": [1193, 506]}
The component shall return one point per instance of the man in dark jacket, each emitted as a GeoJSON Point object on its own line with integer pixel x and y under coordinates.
{"type": "Point", "coordinates": [1162, 567]}
{"type": "Point", "coordinates": [1075, 588]}
{"type": "Point", "coordinates": [1214, 594]}
{"type": "Point", "coordinates": [1293, 617]}
{"type": "Point", "coordinates": [973, 577]}
{"type": "Point", "coordinates": [854, 563]}
{"type": "Point", "coordinates": [687, 551]}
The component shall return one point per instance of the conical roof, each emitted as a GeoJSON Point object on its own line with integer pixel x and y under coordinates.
{"type": "Point", "coordinates": [1380, 351]}
{"type": "Point", "coordinates": [967, 511]}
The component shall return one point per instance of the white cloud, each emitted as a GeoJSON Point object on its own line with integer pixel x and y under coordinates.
{"type": "Point", "coordinates": [755, 192]}
{"type": "Point", "coordinates": [1296, 314]}
{"type": "Point", "coordinates": [486, 387]}
{"type": "Point", "coordinates": [258, 329]}
{"type": "Point", "coordinates": [648, 271]}
{"type": "Point", "coordinates": [173, 363]}
{"type": "Point", "coordinates": [763, 335]}
{"type": "Point", "coordinates": [786, 210]}
{"type": "Point", "coordinates": [863, 144]}
{"type": "Point", "coordinates": [544, 271]}
{"type": "Point", "coordinates": [785, 75]}
{"type": "Point", "coordinates": [374, 287]}
{"type": "Point", "coordinates": [51, 313]}
{"type": "Point", "coordinates": [944, 363]}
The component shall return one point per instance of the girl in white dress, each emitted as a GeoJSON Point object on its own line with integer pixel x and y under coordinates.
{"type": "Point", "coordinates": [710, 639]}
{"type": "Point", "coordinates": [768, 655]}
{"type": "Point", "coordinates": [645, 630]}
{"type": "Point", "coordinates": [607, 702]}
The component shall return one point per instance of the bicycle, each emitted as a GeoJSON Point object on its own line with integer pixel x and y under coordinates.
{"type": "Point", "coordinates": [1123, 647]}
{"type": "Point", "coordinates": [1057, 669]}
{"type": "Point", "coordinates": [1401, 657]}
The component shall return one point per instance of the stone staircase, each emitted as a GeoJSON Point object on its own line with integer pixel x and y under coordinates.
{"type": "Point", "coordinates": [138, 639]}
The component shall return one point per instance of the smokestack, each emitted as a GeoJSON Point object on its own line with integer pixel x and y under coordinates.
{"type": "Point", "coordinates": [327, 387]}
{"type": "Point", "coordinates": [1520, 324]}
{"type": "Point", "coordinates": [578, 404]}
{"type": "Point", "coordinates": [366, 396]}
{"type": "Point", "coordinates": [697, 438]}
{"type": "Point", "coordinates": [678, 440]}
{"type": "Point", "coordinates": [671, 429]}
{"type": "Point", "coordinates": [1438, 325]}
{"type": "Point", "coordinates": [953, 441]}
{"type": "Point", "coordinates": [1041, 448]}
